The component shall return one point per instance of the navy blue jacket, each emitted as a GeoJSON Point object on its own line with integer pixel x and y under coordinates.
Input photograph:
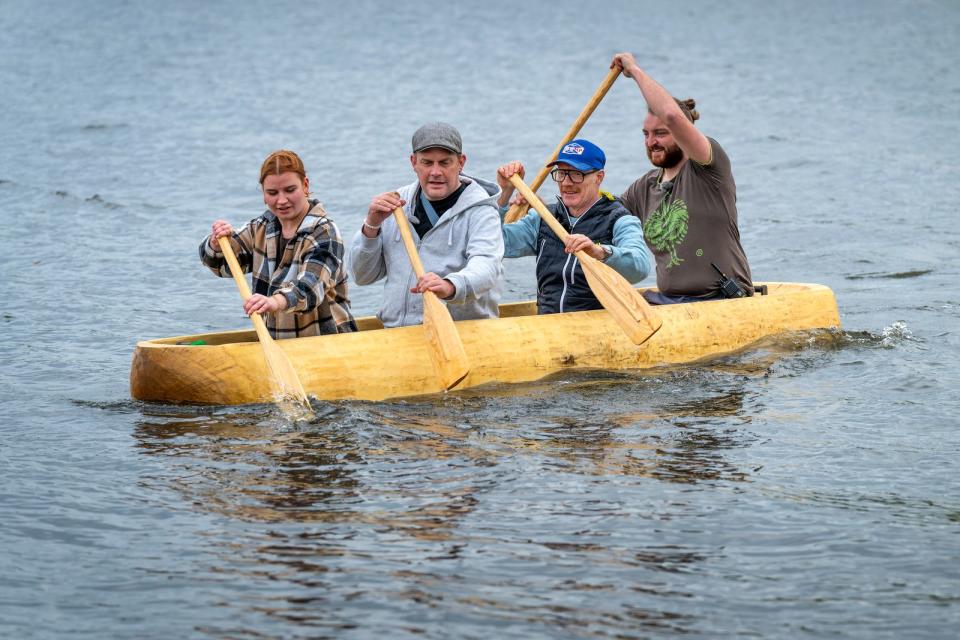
{"type": "Point", "coordinates": [561, 284]}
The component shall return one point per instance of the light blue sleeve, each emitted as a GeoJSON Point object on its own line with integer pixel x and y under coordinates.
{"type": "Point", "coordinates": [520, 237]}
{"type": "Point", "coordinates": [631, 258]}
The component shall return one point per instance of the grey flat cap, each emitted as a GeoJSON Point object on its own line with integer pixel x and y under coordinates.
{"type": "Point", "coordinates": [437, 134]}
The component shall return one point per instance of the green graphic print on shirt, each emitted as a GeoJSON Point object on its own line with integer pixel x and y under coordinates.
{"type": "Point", "coordinates": [667, 227]}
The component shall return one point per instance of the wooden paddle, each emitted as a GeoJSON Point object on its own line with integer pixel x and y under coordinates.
{"type": "Point", "coordinates": [517, 211]}
{"type": "Point", "coordinates": [446, 348]}
{"type": "Point", "coordinates": [283, 377]}
{"type": "Point", "coordinates": [617, 296]}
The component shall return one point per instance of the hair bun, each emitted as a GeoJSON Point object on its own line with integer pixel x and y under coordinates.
{"type": "Point", "coordinates": [689, 108]}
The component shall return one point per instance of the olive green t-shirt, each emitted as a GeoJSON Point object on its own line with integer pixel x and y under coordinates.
{"type": "Point", "coordinates": [690, 223]}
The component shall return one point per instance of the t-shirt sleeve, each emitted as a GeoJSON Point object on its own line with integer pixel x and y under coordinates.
{"type": "Point", "coordinates": [719, 166]}
{"type": "Point", "coordinates": [631, 199]}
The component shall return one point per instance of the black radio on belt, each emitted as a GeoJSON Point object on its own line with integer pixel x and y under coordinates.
{"type": "Point", "coordinates": [728, 286]}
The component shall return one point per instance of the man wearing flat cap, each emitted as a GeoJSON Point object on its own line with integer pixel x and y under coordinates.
{"type": "Point", "coordinates": [456, 226]}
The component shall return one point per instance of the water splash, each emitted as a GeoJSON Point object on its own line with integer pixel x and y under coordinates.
{"type": "Point", "coordinates": [895, 335]}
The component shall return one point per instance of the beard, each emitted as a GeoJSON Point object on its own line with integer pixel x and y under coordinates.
{"type": "Point", "coordinates": [671, 158]}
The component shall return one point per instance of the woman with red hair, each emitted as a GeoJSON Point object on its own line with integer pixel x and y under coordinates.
{"type": "Point", "coordinates": [294, 252]}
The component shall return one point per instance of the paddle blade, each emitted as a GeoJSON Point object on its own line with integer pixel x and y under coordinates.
{"type": "Point", "coordinates": [283, 377]}
{"type": "Point", "coordinates": [284, 380]}
{"type": "Point", "coordinates": [624, 303]}
{"type": "Point", "coordinates": [446, 348]}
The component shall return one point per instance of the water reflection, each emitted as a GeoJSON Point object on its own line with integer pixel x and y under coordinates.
{"type": "Point", "coordinates": [242, 465]}
{"type": "Point", "coordinates": [507, 504]}
{"type": "Point", "coordinates": [670, 425]}
{"type": "Point", "coordinates": [443, 453]}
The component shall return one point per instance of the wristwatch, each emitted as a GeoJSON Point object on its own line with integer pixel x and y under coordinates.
{"type": "Point", "coordinates": [607, 252]}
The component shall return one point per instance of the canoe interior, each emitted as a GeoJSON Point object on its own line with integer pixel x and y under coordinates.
{"type": "Point", "coordinates": [372, 323]}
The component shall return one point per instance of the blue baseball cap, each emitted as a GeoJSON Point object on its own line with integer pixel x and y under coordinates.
{"type": "Point", "coordinates": [582, 155]}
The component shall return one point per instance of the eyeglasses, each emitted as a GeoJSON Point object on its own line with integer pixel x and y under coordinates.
{"type": "Point", "coordinates": [576, 177]}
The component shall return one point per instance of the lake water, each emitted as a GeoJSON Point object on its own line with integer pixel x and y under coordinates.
{"type": "Point", "coordinates": [805, 488]}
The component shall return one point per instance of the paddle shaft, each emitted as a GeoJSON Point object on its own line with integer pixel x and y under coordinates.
{"type": "Point", "coordinates": [282, 373]}
{"type": "Point", "coordinates": [408, 242]}
{"type": "Point", "coordinates": [262, 332]}
{"type": "Point", "coordinates": [446, 347]}
{"type": "Point", "coordinates": [517, 211]}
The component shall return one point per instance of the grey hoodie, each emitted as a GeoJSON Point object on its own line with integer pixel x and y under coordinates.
{"type": "Point", "coordinates": [465, 247]}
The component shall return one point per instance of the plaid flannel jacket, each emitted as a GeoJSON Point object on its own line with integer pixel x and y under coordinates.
{"type": "Point", "coordinates": [310, 274]}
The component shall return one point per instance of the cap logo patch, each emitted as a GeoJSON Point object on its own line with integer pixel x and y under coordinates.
{"type": "Point", "coordinates": [573, 149]}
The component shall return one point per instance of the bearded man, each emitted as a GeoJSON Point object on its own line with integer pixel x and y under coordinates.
{"type": "Point", "coordinates": [688, 204]}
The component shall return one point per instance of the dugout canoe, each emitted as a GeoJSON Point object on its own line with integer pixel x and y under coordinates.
{"type": "Point", "coordinates": [520, 346]}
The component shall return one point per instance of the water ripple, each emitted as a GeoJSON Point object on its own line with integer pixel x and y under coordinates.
{"type": "Point", "coordinates": [897, 275]}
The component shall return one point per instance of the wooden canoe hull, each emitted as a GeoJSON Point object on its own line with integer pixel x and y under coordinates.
{"type": "Point", "coordinates": [377, 363]}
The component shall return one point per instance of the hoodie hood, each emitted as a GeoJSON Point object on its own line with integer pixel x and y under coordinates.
{"type": "Point", "coordinates": [479, 192]}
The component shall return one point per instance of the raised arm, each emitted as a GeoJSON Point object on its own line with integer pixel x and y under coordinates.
{"type": "Point", "coordinates": [661, 104]}
{"type": "Point", "coordinates": [366, 262]}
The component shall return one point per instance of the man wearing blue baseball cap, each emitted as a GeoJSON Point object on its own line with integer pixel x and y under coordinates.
{"type": "Point", "coordinates": [596, 221]}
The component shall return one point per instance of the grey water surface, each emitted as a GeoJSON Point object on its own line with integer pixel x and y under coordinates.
{"type": "Point", "coordinates": [807, 487]}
